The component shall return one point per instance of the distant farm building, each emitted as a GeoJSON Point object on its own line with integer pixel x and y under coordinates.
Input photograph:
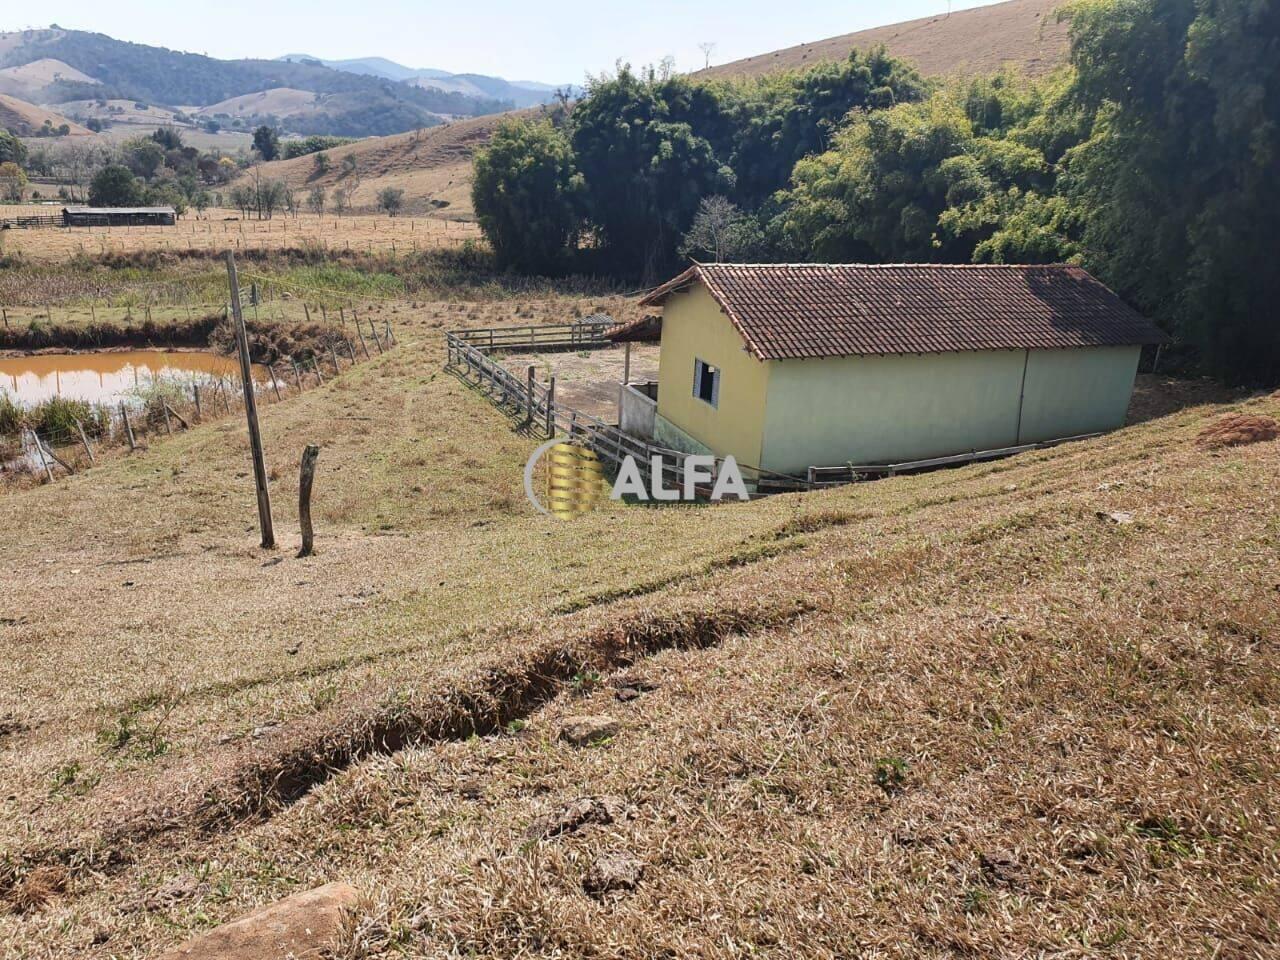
{"type": "Point", "coordinates": [119, 217]}
{"type": "Point", "coordinates": [787, 367]}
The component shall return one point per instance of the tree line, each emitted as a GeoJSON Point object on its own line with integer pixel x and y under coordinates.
{"type": "Point", "coordinates": [1150, 159]}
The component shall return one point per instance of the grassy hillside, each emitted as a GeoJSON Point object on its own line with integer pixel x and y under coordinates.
{"type": "Point", "coordinates": [1024, 34]}
{"type": "Point", "coordinates": [432, 166]}
{"type": "Point", "coordinates": [1029, 705]}
{"type": "Point", "coordinates": [25, 119]}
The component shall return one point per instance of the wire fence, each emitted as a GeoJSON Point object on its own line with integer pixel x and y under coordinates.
{"type": "Point", "coordinates": [77, 434]}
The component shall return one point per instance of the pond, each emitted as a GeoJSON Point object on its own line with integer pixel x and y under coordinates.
{"type": "Point", "coordinates": [107, 377]}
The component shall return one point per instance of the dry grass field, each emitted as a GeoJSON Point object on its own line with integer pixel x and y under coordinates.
{"type": "Point", "coordinates": [1023, 34]}
{"type": "Point", "coordinates": [1023, 708]}
{"type": "Point", "coordinates": [25, 119]}
{"type": "Point", "coordinates": [217, 230]}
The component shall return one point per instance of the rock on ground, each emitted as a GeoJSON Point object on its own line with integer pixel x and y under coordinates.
{"type": "Point", "coordinates": [580, 813]}
{"type": "Point", "coordinates": [300, 927]}
{"type": "Point", "coordinates": [584, 731]}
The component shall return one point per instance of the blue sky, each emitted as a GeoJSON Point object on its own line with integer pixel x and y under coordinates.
{"type": "Point", "coordinates": [556, 42]}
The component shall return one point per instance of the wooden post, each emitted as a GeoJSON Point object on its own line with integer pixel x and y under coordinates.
{"type": "Point", "coordinates": [251, 410]}
{"type": "Point", "coordinates": [374, 330]}
{"type": "Point", "coordinates": [128, 428]}
{"type": "Point", "coordinates": [306, 310]}
{"type": "Point", "coordinates": [529, 397]}
{"type": "Point", "coordinates": [168, 424]}
{"type": "Point", "coordinates": [84, 439]}
{"type": "Point", "coordinates": [195, 395]}
{"type": "Point", "coordinates": [386, 330]}
{"type": "Point", "coordinates": [626, 363]}
{"type": "Point", "coordinates": [306, 477]}
{"type": "Point", "coordinates": [48, 470]}
{"type": "Point", "coordinates": [551, 408]}
{"type": "Point", "coordinates": [297, 375]}
{"type": "Point", "coordinates": [169, 411]}
{"type": "Point", "coordinates": [363, 346]}
{"type": "Point", "coordinates": [315, 362]}
{"type": "Point", "coordinates": [333, 352]}
{"type": "Point", "coordinates": [275, 384]}
{"type": "Point", "coordinates": [351, 349]}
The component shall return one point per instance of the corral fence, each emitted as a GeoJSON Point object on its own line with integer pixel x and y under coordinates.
{"type": "Point", "coordinates": [31, 223]}
{"type": "Point", "coordinates": [471, 356]}
{"type": "Point", "coordinates": [172, 404]}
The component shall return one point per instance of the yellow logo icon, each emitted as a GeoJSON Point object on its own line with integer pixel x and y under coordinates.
{"type": "Point", "coordinates": [575, 479]}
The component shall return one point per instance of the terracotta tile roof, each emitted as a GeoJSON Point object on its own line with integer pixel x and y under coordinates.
{"type": "Point", "coordinates": [647, 329]}
{"type": "Point", "coordinates": [792, 311]}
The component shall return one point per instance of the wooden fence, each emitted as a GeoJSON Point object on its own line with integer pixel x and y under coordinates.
{"type": "Point", "coordinates": [534, 404]}
{"type": "Point", "coordinates": [31, 223]}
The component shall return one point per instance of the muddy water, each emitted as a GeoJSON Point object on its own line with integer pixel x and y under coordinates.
{"type": "Point", "coordinates": [105, 377]}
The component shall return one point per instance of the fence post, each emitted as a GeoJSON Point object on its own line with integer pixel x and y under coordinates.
{"type": "Point", "coordinates": [306, 477]}
{"type": "Point", "coordinates": [551, 407]}
{"type": "Point", "coordinates": [333, 352]}
{"type": "Point", "coordinates": [251, 410]}
{"type": "Point", "coordinates": [195, 394]}
{"type": "Point", "coordinates": [48, 471]}
{"type": "Point", "coordinates": [529, 397]}
{"type": "Point", "coordinates": [275, 384]}
{"type": "Point", "coordinates": [363, 346]}
{"type": "Point", "coordinates": [297, 374]}
{"type": "Point", "coordinates": [84, 439]}
{"type": "Point", "coordinates": [373, 329]}
{"type": "Point", "coordinates": [128, 428]}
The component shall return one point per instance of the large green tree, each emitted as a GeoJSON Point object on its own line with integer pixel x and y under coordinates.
{"type": "Point", "coordinates": [115, 186]}
{"type": "Point", "coordinates": [526, 195]}
{"type": "Point", "coordinates": [12, 150]}
{"type": "Point", "coordinates": [1180, 176]}
{"type": "Point", "coordinates": [645, 165]}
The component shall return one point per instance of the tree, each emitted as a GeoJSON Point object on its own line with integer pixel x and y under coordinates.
{"type": "Point", "coordinates": [391, 200]}
{"type": "Point", "coordinates": [525, 192]}
{"type": "Point", "coordinates": [316, 200]}
{"type": "Point", "coordinates": [143, 156]}
{"type": "Point", "coordinates": [115, 186]}
{"type": "Point", "coordinates": [12, 150]}
{"type": "Point", "coordinates": [320, 165]}
{"type": "Point", "coordinates": [1179, 175]}
{"type": "Point", "coordinates": [643, 147]}
{"type": "Point", "coordinates": [12, 181]}
{"type": "Point", "coordinates": [341, 199]}
{"type": "Point", "coordinates": [169, 138]}
{"type": "Point", "coordinates": [722, 233]}
{"type": "Point", "coordinates": [267, 142]}
{"type": "Point", "coordinates": [707, 49]}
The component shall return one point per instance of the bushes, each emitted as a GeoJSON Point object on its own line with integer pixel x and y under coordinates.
{"type": "Point", "coordinates": [54, 419]}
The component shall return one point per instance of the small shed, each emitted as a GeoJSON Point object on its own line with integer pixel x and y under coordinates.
{"type": "Point", "coordinates": [119, 217]}
{"type": "Point", "coordinates": [791, 366]}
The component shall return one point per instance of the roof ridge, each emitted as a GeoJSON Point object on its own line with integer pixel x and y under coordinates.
{"type": "Point", "coordinates": [887, 266]}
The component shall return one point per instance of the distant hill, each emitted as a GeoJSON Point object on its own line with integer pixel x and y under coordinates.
{"type": "Point", "coordinates": [27, 120]}
{"type": "Point", "coordinates": [520, 93]}
{"type": "Point", "coordinates": [1021, 33]}
{"type": "Point", "coordinates": [55, 66]}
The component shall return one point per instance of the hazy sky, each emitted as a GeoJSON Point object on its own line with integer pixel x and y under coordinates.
{"type": "Point", "coordinates": [557, 41]}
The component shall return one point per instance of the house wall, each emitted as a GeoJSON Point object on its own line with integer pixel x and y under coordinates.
{"type": "Point", "coordinates": [1070, 392]}
{"type": "Point", "coordinates": [893, 409]}
{"type": "Point", "coordinates": [889, 409]}
{"type": "Point", "coordinates": [693, 326]}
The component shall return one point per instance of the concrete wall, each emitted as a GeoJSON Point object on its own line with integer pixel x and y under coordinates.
{"type": "Point", "coordinates": [636, 410]}
{"type": "Point", "coordinates": [693, 326]}
{"type": "Point", "coordinates": [889, 409]}
{"type": "Point", "coordinates": [1070, 392]}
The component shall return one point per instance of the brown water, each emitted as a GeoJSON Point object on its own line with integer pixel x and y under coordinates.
{"type": "Point", "coordinates": [105, 377]}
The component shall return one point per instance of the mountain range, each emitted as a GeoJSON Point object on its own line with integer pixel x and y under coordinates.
{"type": "Point", "coordinates": [521, 93]}
{"type": "Point", "coordinates": [53, 67]}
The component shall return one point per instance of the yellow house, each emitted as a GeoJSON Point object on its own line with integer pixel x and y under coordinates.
{"type": "Point", "coordinates": [791, 366]}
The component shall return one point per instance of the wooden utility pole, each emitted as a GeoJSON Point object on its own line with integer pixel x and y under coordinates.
{"type": "Point", "coordinates": [305, 479]}
{"type": "Point", "coordinates": [251, 409]}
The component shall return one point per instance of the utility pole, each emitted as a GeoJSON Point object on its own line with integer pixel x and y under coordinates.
{"type": "Point", "coordinates": [251, 409]}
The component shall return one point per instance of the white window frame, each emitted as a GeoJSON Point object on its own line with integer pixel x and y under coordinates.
{"type": "Point", "coordinates": [701, 369]}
